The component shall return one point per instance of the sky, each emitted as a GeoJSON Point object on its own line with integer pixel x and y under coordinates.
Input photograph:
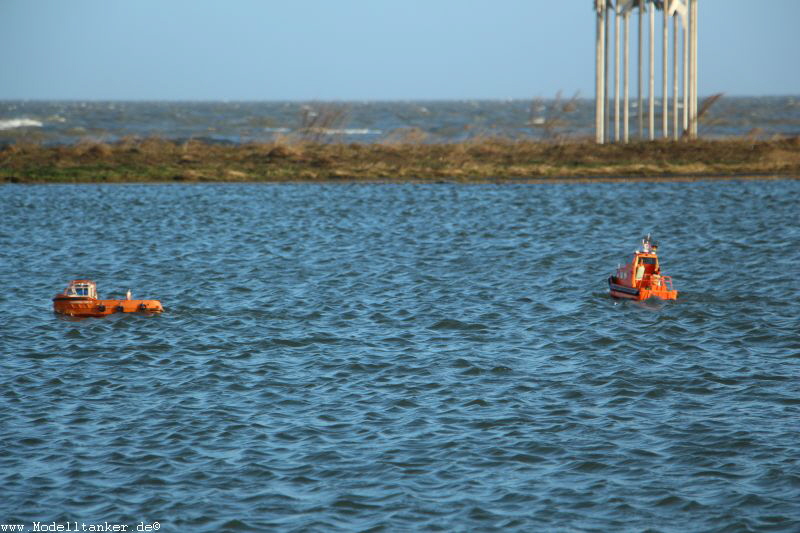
{"type": "Point", "coordinates": [357, 50]}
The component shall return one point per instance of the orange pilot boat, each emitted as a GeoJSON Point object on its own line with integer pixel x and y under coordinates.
{"type": "Point", "coordinates": [80, 299]}
{"type": "Point", "coordinates": [641, 278]}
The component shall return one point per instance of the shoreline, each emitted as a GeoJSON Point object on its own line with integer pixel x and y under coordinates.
{"type": "Point", "coordinates": [554, 180]}
{"type": "Point", "coordinates": [152, 160]}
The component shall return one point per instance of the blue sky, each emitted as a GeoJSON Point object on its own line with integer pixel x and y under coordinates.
{"type": "Point", "coordinates": [358, 49]}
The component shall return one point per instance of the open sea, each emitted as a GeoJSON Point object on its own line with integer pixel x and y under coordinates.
{"type": "Point", "coordinates": [407, 357]}
{"type": "Point", "coordinates": [568, 116]}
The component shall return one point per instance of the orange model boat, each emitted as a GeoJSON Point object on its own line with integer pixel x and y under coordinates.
{"type": "Point", "coordinates": [80, 299]}
{"type": "Point", "coordinates": [641, 278]}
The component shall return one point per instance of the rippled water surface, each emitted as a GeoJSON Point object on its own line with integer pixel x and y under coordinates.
{"type": "Point", "coordinates": [432, 121]}
{"type": "Point", "coordinates": [402, 357]}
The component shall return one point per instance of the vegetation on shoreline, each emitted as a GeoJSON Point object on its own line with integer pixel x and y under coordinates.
{"type": "Point", "coordinates": [160, 160]}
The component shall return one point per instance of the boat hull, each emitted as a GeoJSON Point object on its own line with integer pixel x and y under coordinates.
{"type": "Point", "coordinates": [91, 307]}
{"type": "Point", "coordinates": [618, 290]}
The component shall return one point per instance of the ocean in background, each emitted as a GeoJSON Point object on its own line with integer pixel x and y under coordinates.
{"type": "Point", "coordinates": [400, 357]}
{"type": "Point", "coordinates": [434, 121]}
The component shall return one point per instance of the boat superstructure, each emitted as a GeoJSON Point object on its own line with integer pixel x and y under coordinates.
{"type": "Point", "coordinates": [641, 278]}
{"type": "Point", "coordinates": [80, 299]}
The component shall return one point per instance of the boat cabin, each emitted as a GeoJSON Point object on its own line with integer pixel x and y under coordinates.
{"type": "Point", "coordinates": [645, 266]}
{"type": "Point", "coordinates": [642, 278]}
{"type": "Point", "coordinates": [81, 288]}
{"type": "Point", "coordinates": [80, 300]}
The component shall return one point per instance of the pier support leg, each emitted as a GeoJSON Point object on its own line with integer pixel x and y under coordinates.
{"type": "Point", "coordinates": [675, 130]}
{"type": "Point", "coordinates": [665, 76]}
{"type": "Point", "coordinates": [640, 100]}
{"type": "Point", "coordinates": [685, 79]}
{"type": "Point", "coordinates": [616, 77]}
{"type": "Point", "coordinates": [627, 64]}
{"type": "Point", "coordinates": [652, 91]}
{"type": "Point", "coordinates": [600, 68]}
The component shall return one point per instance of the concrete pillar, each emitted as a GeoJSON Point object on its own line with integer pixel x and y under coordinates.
{"type": "Point", "coordinates": [675, 129]}
{"type": "Point", "coordinates": [695, 21]}
{"type": "Point", "coordinates": [616, 76]}
{"type": "Point", "coordinates": [640, 100]}
{"type": "Point", "coordinates": [652, 94]}
{"type": "Point", "coordinates": [665, 73]}
{"type": "Point", "coordinates": [685, 75]}
{"type": "Point", "coordinates": [627, 65]}
{"type": "Point", "coordinates": [600, 54]}
{"type": "Point", "coordinates": [607, 125]}
{"type": "Point", "coordinates": [692, 83]}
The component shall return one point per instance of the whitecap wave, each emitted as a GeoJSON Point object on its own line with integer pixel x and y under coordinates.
{"type": "Point", "coordinates": [358, 131]}
{"type": "Point", "coordinates": [345, 131]}
{"type": "Point", "coordinates": [10, 124]}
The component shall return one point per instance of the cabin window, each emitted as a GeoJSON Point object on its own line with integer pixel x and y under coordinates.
{"type": "Point", "coordinates": [80, 290]}
{"type": "Point", "coordinates": [648, 260]}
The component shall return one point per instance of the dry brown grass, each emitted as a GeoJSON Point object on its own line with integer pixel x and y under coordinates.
{"type": "Point", "coordinates": [284, 159]}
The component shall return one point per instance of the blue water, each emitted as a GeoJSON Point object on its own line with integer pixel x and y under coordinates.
{"type": "Point", "coordinates": [415, 121]}
{"type": "Point", "coordinates": [402, 358]}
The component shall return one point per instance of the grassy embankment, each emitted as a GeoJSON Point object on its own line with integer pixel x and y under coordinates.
{"type": "Point", "coordinates": [158, 160]}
